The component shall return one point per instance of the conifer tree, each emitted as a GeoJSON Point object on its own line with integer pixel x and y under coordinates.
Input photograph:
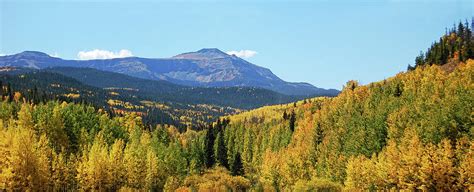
{"type": "Point", "coordinates": [237, 165]}
{"type": "Point", "coordinates": [285, 115]}
{"type": "Point", "coordinates": [292, 121]}
{"type": "Point", "coordinates": [221, 154]}
{"type": "Point", "coordinates": [1, 91]}
{"type": "Point", "coordinates": [9, 93]}
{"type": "Point", "coordinates": [209, 147]}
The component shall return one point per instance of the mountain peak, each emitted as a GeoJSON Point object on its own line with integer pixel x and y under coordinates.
{"type": "Point", "coordinates": [211, 51]}
{"type": "Point", "coordinates": [35, 54]}
{"type": "Point", "coordinates": [203, 54]}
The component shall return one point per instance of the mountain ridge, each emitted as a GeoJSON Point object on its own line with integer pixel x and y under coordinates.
{"type": "Point", "coordinates": [207, 67]}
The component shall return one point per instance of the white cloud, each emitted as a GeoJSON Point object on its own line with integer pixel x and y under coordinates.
{"type": "Point", "coordinates": [2, 54]}
{"type": "Point", "coordinates": [103, 54]}
{"type": "Point", "coordinates": [242, 53]}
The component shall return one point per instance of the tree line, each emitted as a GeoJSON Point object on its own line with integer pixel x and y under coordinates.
{"type": "Point", "coordinates": [456, 45]}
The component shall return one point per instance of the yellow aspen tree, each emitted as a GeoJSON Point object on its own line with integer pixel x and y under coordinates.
{"type": "Point", "coordinates": [444, 176]}
{"type": "Point", "coordinates": [25, 163]}
{"type": "Point", "coordinates": [392, 157]}
{"type": "Point", "coordinates": [135, 164]}
{"type": "Point", "coordinates": [6, 173]}
{"type": "Point", "coordinates": [59, 172]}
{"type": "Point", "coordinates": [428, 161]}
{"type": "Point", "coordinates": [270, 171]}
{"type": "Point", "coordinates": [25, 119]}
{"type": "Point", "coordinates": [172, 184]}
{"type": "Point", "coordinates": [57, 134]}
{"type": "Point", "coordinates": [116, 169]}
{"type": "Point", "coordinates": [43, 167]}
{"type": "Point", "coordinates": [381, 171]}
{"type": "Point", "coordinates": [71, 164]}
{"type": "Point", "coordinates": [93, 167]}
{"type": "Point", "coordinates": [354, 171]}
{"type": "Point", "coordinates": [466, 166]}
{"type": "Point", "coordinates": [361, 173]}
{"type": "Point", "coordinates": [410, 160]}
{"type": "Point", "coordinates": [153, 177]}
{"type": "Point", "coordinates": [82, 176]}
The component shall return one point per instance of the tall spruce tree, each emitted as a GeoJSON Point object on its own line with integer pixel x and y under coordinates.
{"type": "Point", "coordinates": [221, 155]}
{"type": "Point", "coordinates": [209, 147]}
{"type": "Point", "coordinates": [292, 121]}
{"type": "Point", "coordinates": [237, 166]}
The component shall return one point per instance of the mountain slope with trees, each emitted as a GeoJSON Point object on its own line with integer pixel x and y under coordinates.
{"type": "Point", "coordinates": [163, 91]}
{"type": "Point", "coordinates": [410, 132]}
{"type": "Point", "coordinates": [456, 45]}
{"type": "Point", "coordinates": [413, 131]}
{"type": "Point", "coordinates": [159, 102]}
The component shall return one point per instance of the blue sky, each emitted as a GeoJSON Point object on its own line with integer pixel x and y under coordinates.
{"type": "Point", "coordinates": [325, 43]}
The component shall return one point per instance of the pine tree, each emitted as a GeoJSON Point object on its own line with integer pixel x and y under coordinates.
{"type": "Point", "coordinates": [209, 147]}
{"type": "Point", "coordinates": [237, 165]}
{"type": "Point", "coordinates": [9, 93]}
{"type": "Point", "coordinates": [285, 115]}
{"type": "Point", "coordinates": [419, 60]}
{"type": "Point", "coordinates": [318, 134]}
{"type": "Point", "coordinates": [221, 150]}
{"type": "Point", "coordinates": [292, 121]}
{"type": "Point", "coordinates": [1, 91]}
{"type": "Point", "coordinates": [398, 90]}
{"type": "Point", "coordinates": [34, 95]}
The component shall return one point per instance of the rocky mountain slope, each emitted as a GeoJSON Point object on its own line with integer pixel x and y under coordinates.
{"type": "Point", "coordinates": [206, 68]}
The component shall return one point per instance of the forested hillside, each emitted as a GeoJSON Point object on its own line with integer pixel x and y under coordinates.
{"type": "Point", "coordinates": [43, 86]}
{"type": "Point", "coordinates": [59, 146]}
{"type": "Point", "coordinates": [456, 45]}
{"type": "Point", "coordinates": [158, 102]}
{"type": "Point", "coordinates": [165, 92]}
{"type": "Point", "coordinates": [413, 131]}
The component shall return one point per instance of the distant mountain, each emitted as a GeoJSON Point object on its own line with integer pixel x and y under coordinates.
{"type": "Point", "coordinates": [204, 68]}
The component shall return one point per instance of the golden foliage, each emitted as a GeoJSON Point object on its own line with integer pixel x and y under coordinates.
{"type": "Point", "coordinates": [217, 179]}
